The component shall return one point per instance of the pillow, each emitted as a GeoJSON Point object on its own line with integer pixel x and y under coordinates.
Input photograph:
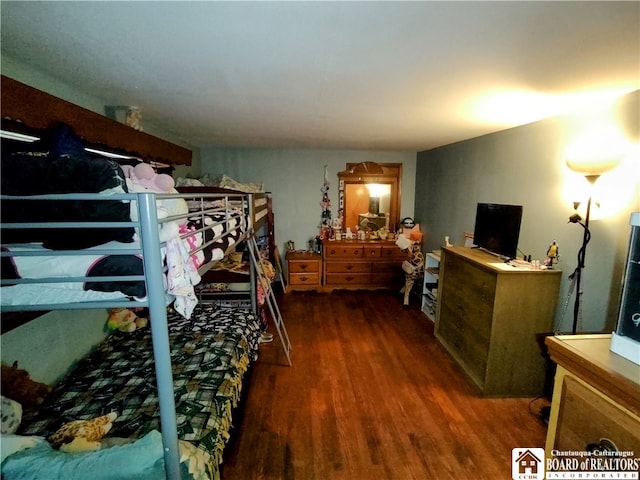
{"type": "Point", "coordinates": [10, 444]}
{"type": "Point", "coordinates": [140, 460]}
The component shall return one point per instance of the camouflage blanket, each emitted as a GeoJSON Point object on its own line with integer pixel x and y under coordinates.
{"type": "Point", "coordinates": [210, 353]}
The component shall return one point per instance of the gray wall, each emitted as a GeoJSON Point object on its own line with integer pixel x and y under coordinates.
{"type": "Point", "coordinates": [295, 177]}
{"type": "Point", "coordinates": [525, 166]}
{"type": "Point", "coordinates": [47, 346]}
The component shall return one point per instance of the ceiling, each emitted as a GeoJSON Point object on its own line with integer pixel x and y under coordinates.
{"type": "Point", "coordinates": [405, 76]}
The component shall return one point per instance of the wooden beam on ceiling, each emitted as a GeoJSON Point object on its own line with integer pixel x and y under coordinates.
{"type": "Point", "coordinates": [40, 110]}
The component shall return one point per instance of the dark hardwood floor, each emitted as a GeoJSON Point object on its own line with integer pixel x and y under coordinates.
{"type": "Point", "coordinates": [371, 395]}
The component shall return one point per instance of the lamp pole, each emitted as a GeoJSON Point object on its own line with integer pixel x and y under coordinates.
{"type": "Point", "coordinates": [582, 253]}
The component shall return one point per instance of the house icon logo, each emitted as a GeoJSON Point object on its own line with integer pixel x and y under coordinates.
{"type": "Point", "coordinates": [527, 464]}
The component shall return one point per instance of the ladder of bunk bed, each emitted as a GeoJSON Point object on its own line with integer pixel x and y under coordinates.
{"type": "Point", "coordinates": [270, 299]}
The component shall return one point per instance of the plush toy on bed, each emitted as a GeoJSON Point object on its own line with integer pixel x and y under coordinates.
{"type": "Point", "coordinates": [82, 435]}
{"type": "Point", "coordinates": [125, 320]}
{"type": "Point", "coordinates": [143, 178]}
{"type": "Point", "coordinates": [18, 385]}
{"type": "Point", "coordinates": [143, 175]}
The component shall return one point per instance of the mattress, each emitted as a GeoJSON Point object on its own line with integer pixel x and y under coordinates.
{"type": "Point", "coordinates": [209, 353]}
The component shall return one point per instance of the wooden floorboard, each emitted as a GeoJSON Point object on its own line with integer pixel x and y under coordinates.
{"type": "Point", "coordinates": [371, 395]}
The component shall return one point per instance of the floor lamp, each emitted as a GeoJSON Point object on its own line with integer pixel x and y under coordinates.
{"type": "Point", "coordinates": [591, 169]}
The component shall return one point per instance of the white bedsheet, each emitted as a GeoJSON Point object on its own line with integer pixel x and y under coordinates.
{"type": "Point", "coordinates": [62, 265]}
{"type": "Point", "coordinates": [58, 293]}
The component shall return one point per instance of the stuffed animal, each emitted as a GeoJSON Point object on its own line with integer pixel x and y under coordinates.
{"type": "Point", "coordinates": [142, 178]}
{"type": "Point", "coordinates": [143, 175]}
{"type": "Point", "coordinates": [82, 435]}
{"type": "Point", "coordinates": [11, 415]}
{"type": "Point", "coordinates": [125, 320]}
{"type": "Point", "coordinates": [18, 385]}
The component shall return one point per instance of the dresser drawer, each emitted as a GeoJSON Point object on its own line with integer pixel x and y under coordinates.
{"type": "Point", "coordinates": [310, 266]}
{"type": "Point", "coordinates": [372, 251]}
{"type": "Point", "coordinates": [344, 251]}
{"type": "Point", "coordinates": [304, 270]}
{"type": "Point", "coordinates": [312, 278]}
{"type": "Point", "coordinates": [348, 267]}
{"type": "Point", "coordinates": [388, 267]}
{"type": "Point", "coordinates": [470, 348]}
{"type": "Point", "coordinates": [348, 278]}
{"type": "Point", "coordinates": [474, 314]}
{"type": "Point", "coordinates": [393, 253]}
{"type": "Point", "coordinates": [586, 416]}
{"type": "Point", "coordinates": [471, 280]}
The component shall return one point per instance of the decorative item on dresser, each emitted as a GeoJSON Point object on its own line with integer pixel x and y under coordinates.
{"type": "Point", "coordinates": [362, 264]}
{"type": "Point", "coordinates": [489, 314]}
{"type": "Point", "coordinates": [596, 400]}
{"type": "Point", "coordinates": [304, 270]}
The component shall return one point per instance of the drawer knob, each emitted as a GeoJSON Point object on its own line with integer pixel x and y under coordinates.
{"type": "Point", "coordinates": [348, 267]}
{"type": "Point", "coordinates": [304, 266]}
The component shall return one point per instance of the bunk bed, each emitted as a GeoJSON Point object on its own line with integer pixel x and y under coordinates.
{"type": "Point", "coordinates": [228, 282]}
{"type": "Point", "coordinates": [178, 425]}
{"type": "Point", "coordinates": [224, 342]}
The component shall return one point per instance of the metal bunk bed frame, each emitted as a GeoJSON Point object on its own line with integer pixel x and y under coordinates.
{"type": "Point", "coordinates": [148, 225]}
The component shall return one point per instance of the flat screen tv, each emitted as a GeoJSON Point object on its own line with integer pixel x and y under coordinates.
{"type": "Point", "coordinates": [497, 228]}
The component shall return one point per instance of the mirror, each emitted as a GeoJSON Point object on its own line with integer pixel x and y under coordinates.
{"type": "Point", "coordinates": [370, 195]}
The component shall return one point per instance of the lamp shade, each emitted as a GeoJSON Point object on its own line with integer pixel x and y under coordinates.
{"type": "Point", "coordinates": [593, 166]}
{"type": "Point", "coordinates": [596, 151]}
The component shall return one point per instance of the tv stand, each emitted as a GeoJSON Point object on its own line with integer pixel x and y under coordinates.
{"type": "Point", "coordinates": [488, 318]}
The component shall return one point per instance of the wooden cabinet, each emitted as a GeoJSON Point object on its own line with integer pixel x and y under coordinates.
{"type": "Point", "coordinates": [596, 397]}
{"type": "Point", "coordinates": [354, 264]}
{"type": "Point", "coordinates": [489, 316]}
{"type": "Point", "coordinates": [304, 270]}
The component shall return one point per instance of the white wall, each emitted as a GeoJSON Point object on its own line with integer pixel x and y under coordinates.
{"type": "Point", "coordinates": [295, 177]}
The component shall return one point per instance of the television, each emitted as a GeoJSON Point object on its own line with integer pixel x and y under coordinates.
{"type": "Point", "coordinates": [497, 228]}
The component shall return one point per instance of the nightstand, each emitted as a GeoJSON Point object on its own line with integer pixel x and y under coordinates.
{"type": "Point", "coordinates": [596, 396]}
{"type": "Point", "coordinates": [304, 270]}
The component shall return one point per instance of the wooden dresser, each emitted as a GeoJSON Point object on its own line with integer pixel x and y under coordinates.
{"type": "Point", "coordinates": [596, 397]}
{"type": "Point", "coordinates": [304, 270]}
{"type": "Point", "coordinates": [362, 264]}
{"type": "Point", "coordinates": [488, 317]}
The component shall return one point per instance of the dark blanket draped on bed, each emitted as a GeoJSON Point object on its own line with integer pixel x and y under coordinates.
{"type": "Point", "coordinates": [59, 164]}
